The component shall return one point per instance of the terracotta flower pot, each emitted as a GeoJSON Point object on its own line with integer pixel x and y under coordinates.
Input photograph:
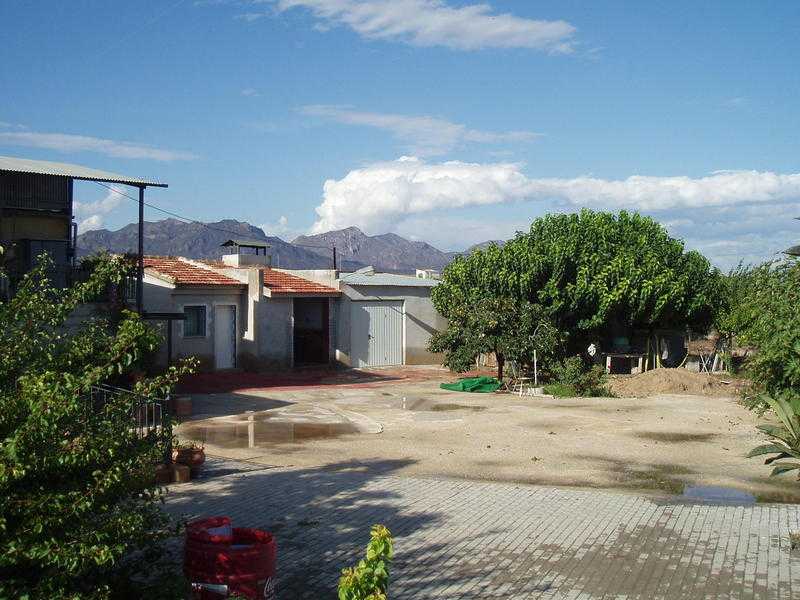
{"type": "Point", "coordinates": [191, 457]}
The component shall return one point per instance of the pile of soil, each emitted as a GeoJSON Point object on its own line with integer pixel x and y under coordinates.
{"type": "Point", "coordinates": [673, 381]}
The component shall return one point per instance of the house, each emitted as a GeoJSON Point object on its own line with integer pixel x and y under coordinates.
{"type": "Point", "coordinates": [239, 312]}
{"type": "Point", "coordinates": [36, 216]}
{"type": "Point", "coordinates": [386, 319]}
{"type": "Point", "coordinates": [242, 313]}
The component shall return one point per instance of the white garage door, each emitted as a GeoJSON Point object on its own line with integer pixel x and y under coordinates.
{"type": "Point", "coordinates": [376, 333]}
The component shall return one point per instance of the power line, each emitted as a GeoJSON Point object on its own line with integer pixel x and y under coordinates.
{"type": "Point", "coordinates": [171, 214]}
{"type": "Point", "coordinates": [206, 225]}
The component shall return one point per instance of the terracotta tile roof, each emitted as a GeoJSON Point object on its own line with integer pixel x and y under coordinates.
{"type": "Point", "coordinates": [279, 282]}
{"type": "Point", "coordinates": [184, 273]}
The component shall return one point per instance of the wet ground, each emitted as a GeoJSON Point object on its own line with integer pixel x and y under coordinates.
{"type": "Point", "coordinates": [689, 446]}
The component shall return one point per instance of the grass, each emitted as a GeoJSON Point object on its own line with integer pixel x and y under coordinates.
{"type": "Point", "coordinates": [560, 390]}
{"type": "Point", "coordinates": [567, 390]}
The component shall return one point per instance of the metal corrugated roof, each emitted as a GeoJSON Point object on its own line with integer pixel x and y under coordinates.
{"type": "Point", "coordinates": [246, 243]}
{"type": "Point", "coordinates": [46, 167]}
{"type": "Point", "coordinates": [387, 279]}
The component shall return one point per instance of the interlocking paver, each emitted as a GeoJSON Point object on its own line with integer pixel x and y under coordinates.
{"type": "Point", "coordinates": [475, 540]}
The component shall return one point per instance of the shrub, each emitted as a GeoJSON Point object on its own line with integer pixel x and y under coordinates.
{"type": "Point", "coordinates": [78, 503]}
{"type": "Point", "coordinates": [785, 436]}
{"type": "Point", "coordinates": [569, 371]}
{"type": "Point", "coordinates": [369, 580]}
{"type": "Point", "coordinates": [576, 376]}
{"type": "Point", "coordinates": [560, 390]}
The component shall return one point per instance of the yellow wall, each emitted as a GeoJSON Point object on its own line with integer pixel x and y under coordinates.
{"type": "Point", "coordinates": [35, 227]}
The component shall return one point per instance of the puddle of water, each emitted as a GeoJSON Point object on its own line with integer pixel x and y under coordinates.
{"type": "Point", "coordinates": [410, 403]}
{"type": "Point", "coordinates": [259, 430]}
{"type": "Point", "coordinates": [718, 495]}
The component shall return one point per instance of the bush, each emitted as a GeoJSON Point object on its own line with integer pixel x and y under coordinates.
{"type": "Point", "coordinates": [369, 580]}
{"type": "Point", "coordinates": [785, 437]}
{"type": "Point", "coordinates": [569, 371]}
{"type": "Point", "coordinates": [560, 390]}
{"type": "Point", "coordinates": [576, 376]}
{"type": "Point", "coordinates": [78, 504]}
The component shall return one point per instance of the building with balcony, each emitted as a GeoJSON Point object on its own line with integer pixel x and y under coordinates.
{"type": "Point", "coordinates": [36, 216]}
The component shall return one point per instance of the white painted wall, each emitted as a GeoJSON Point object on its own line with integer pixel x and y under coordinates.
{"type": "Point", "coordinates": [420, 320]}
{"type": "Point", "coordinates": [160, 296]}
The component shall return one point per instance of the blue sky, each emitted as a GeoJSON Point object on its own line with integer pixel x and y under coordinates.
{"type": "Point", "coordinates": [440, 120]}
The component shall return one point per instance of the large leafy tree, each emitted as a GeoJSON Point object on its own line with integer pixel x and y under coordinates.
{"type": "Point", "coordinates": [77, 493]}
{"type": "Point", "coordinates": [587, 273]}
{"type": "Point", "coordinates": [509, 329]}
{"type": "Point", "coordinates": [767, 317]}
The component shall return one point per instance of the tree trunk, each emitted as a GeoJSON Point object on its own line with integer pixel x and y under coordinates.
{"type": "Point", "coordinates": [500, 362]}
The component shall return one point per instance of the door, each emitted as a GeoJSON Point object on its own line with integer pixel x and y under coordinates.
{"type": "Point", "coordinates": [311, 338]}
{"type": "Point", "coordinates": [225, 336]}
{"type": "Point", "coordinates": [376, 334]}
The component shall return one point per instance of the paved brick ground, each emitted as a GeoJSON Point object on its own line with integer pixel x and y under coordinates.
{"type": "Point", "coordinates": [463, 539]}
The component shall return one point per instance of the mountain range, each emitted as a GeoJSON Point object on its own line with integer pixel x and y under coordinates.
{"type": "Point", "coordinates": [388, 252]}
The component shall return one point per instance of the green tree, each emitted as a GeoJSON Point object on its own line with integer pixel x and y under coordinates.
{"type": "Point", "coordinates": [767, 317]}
{"type": "Point", "coordinates": [78, 502]}
{"type": "Point", "coordinates": [509, 329]}
{"type": "Point", "coordinates": [587, 273]}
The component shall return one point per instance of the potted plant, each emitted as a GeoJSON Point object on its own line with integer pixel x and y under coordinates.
{"type": "Point", "coordinates": [192, 455]}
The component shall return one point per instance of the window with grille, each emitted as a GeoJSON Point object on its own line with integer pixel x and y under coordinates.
{"type": "Point", "coordinates": [195, 323]}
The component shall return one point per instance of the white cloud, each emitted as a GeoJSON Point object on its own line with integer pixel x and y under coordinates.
{"type": "Point", "coordinates": [250, 93]}
{"type": "Point", "coordinates": [93, 212]}
{"type": "Point", "coordinates": [90, 224]}
{"type": "Point", "coordinates": [448, 232]}
{"type": "Point", "coordinates": [433, 23]}
{"type": "Point", "coordinates": [64, 142]}
{"type": "Point", "coordinates": [424, 135]}
{"type": "Point", "coordinates": [103, 206]}
{"type": "Point", "coordinates": [379, 196]}
{"type": "Point", "coordinates": [281, 229]}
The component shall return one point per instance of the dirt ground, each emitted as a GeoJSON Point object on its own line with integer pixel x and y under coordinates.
{"type": "Point", "coordinates": [675, 381]}
{"type": "Point", "coordinates": [664, 443]}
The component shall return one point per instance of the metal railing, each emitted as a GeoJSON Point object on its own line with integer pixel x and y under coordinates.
{"type": "Point", "coordinates": [60, 276]}
{"type": "Point", "coordinates": [148, 416]}
{"type": "Point", "coordinates": [63, 276]}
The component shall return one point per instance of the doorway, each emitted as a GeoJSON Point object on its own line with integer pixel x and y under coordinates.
{"type": "Point", "coordinates": [225, 336]}
{"type": "Point", "coordinates": [311, 338]}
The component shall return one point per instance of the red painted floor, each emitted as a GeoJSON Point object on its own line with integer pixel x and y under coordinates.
{"type": "Point", "coordinates": [233, 381]}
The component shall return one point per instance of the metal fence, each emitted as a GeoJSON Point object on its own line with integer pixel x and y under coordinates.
{"type": "Point", "coordinates": [147, 415]}
{"type": "Point", "coordinates": [63, 276]}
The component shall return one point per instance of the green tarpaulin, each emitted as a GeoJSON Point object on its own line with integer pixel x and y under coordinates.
{"type": "Point", "coordinates": [473, 384]}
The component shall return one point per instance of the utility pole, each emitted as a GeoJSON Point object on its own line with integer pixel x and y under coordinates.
{"type": "Point", "coordinates": [140, 266]}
